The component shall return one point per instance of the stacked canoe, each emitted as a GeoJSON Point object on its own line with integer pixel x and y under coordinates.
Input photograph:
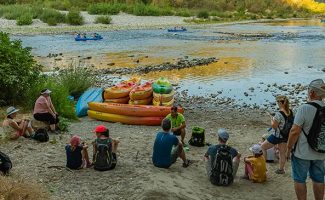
{"type": "Point", "coordinates": [120, 92]}
{"type": "Point", "coordinates": [163, 93]}
{"type": "Point", "coordinates": [129, 114]}
{"type": "Point", "coordinates": [141, 95]}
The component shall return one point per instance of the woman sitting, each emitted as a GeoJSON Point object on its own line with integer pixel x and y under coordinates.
{"type": "Point", "coordinates": [13, 129]}
{"type": "Point", "coordinates": [45, 111]}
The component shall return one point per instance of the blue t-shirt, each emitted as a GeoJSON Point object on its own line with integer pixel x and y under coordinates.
{"type": "Point", "coordinates": [162, 149]}
{"type": "Point", "coordinates": [74, 158]}
{"type": "Point", "coordinates": [213, 150]}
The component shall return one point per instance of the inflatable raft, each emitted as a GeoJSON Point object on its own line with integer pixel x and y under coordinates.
{"type": "Point", "coordinates": [121, 90]}
{"type": "Point", "coordinates": [86, 39]}
{"type": "Point", "coordinates": [141, 92]}
{"type": "Point", "coordinates": [91, 95]}
{"type": "Point", "coordinates": [177, 30]}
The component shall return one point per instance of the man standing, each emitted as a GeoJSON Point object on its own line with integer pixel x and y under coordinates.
{"type": "Point", "coordinates": [167, 148]}
{"type": "Point", "coordinates": [178, 123]}
{"type": "Point", "coordinates": [304, 159]}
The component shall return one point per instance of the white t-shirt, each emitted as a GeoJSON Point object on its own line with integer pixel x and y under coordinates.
{"type": "Point", "coordinates": [280, 119]}
{"type": "Point", "coordinates": [304, 118]}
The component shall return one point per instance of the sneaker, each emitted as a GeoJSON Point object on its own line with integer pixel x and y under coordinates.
{"type": "Point", "coordinates": [89, 165]}
{"type": "Point", "coordinates": [187, 163]}
{"type": "Point", "coordinates": [280, 171]}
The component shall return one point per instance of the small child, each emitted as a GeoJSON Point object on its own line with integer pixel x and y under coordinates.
{"type": "Point", "coordinates": [255, 165]}
{"type": "Point", "coordinates": [270, 153]}
{"type": "Point", "coordinates": [77, 154]}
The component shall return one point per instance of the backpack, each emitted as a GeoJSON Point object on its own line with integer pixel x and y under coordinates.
{"type": "Point", "coordinates": [316, 135]}
{"type": "Point", "coordinates": [5, 163]}
{"type": "Point", "coordinates": [103, 156]}
{"type": "Point", "coordinates": [198, 137]}
{"type": "Point", "coordinates": [288, 123]}
{"type": "Point", "coordinates": [222, 171]}
{"type": "Point", "coordinates": [41, 135]}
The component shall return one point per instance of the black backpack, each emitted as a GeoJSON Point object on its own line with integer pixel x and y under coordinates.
{"type": "Point", "coordinates": [41, 135]}
{"type": "Point", "coordinates": [198, 137]}
{"type": "Point", "coordinates": [103, 156]}
{"type": "Point", "coordinates": [222, 171]}
{"type": "Point", "coordinates": [288, 123]}
{"type": "Point", "coordinates": [316, 135]}
{"type": "Point", "coordinates": [5, 163]}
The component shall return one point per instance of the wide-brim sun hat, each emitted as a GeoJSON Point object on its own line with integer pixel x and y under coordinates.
{"type": "Point", "coordinates": [46, 91]}
{"type": "Point", "coordinates": [256, 149]}
{"type": "Point", "coordinates": [318, 84]}
{"type": "Point", "coordinates": [11, 110]}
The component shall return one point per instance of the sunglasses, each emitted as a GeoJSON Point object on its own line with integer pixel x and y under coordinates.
{"type": "Point", "coordinates": [280, 101]}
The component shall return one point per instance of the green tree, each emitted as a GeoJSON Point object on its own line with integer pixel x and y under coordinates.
{"type": "Point", "coordinates": [18, 70]}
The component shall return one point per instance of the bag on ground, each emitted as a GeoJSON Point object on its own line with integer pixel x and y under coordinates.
{"type": "Point", "coordinates": [103, 156]}
{"type": "Point", "coordinates": [5, 163]}
{"type": "Point", "coordinates": [41, 135]}
{"type": "Point", "coordinates": [284, 132]}
{"type": "Point", "coordinates": [222, 171]}
{"type": "Point", "coordinates": [198, 137]}
{"type": "Point", "coordinates": [316, 135]}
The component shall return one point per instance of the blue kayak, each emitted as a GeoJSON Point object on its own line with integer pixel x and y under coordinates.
{"type": "Point", "coordinates": [91, 95]}
{"type": "Point", "coordinates": [86, 39]}
{"type": "Point", "coordinates": [177, 30]}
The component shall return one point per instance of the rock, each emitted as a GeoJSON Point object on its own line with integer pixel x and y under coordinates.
{"type": "Point", "coordinates": [323, 69]}
{"type": "Point", "coordinates": [131, 56]}
{"type": "Point", "coordinates": [246, 94]}
{"type": "Point", "coordinates": [286, 72]}
{"type": "Point", "coordinates": [89, 57]}
{"type": "Point", "coordinates": [251, 88]}
{"type": "Point", "coordinates": [310, 66]}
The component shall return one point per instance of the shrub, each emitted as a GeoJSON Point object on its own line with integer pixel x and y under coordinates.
{"type": "Point", "coordinates": [106, 9]}
{"type": "Point", "coordinates": [74, 18]}
{"type": "Point", "coordinates": [52, 17]}
{"type": "Point", "coordinates": [183, 13]}
{"type": "Point", "coordinates": [25, 19]}
{"type": "Point", "coordinates": [18, 70]}
{"type": "Point", "coordinates": [103, 20]}
{"type": "Point", "coordinates": [203, 14]}
{"type": "Point", "coordinates": [150, 10]}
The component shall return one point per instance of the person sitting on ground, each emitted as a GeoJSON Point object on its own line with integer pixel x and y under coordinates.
{"type": "Point", "coordinates": [178, 123]}
{"type": "Point", "coordinates": [213, 158]}
{"type": "Point", "coordinates": [255, 165]}
{"type": "Point", "coordinates": [45, 111]}
{"type": "Point", "coordinates": [270, 153]}
{"type": "Point", "coordinates": [5, 164]}
{"type": "Point", "coordinates": [77, 154]}
{"type": "Point", "coordinates": [282, 119]}
{"type": "Point", "coordinates": [167, 148]}
{"type": "Point", "coordinates": [102, 146]}
{"type": "Point", "coordinates": [14, 129]}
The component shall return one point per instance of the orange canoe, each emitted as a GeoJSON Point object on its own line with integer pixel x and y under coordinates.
{"type": "Point", "coordinates": [123, 100]}
{"type": "Point", "coordinates": [147, 101]}
{"type": "Point", "coordinates": [149, 121]}
{"type": "Point", "coordinates": [132, 110]}
{"type": "Point", "coordinates": [143, 91]}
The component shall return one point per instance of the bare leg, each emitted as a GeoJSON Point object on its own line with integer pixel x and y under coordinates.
{"type": "Point", "coordinates": [265, 146]}
{"type": "Point", "coordinates": [182, 153]}
{"type": "Point", "coordinates": [115, 145]}
{"type": "Point", "coordinates": [52, 127]}
{"type": "Point", "coordinates": [23, 126]}
{"type": "Point", "coordinates": [183, 133]}
{"type": "Point", "coordinates": [235, 165]}
{"type": "Point", "coordinates": [318, 190]}
{"type": "Point", "coordinates": [301, 191]}
{"type": "Point", "coordinates": [282, 156]}
{"type": "Point", "coordinates": [85, 156]}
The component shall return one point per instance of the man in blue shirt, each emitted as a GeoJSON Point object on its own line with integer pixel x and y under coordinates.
{"type": "Point", "coordinates": [167, 148]}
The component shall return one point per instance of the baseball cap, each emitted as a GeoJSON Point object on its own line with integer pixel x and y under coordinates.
{"type": "Point", "coordinates": [318, 84]}
{"type": "Point", "coordinates": [223, 134]}
{"type": "Point", "coordinates": [100, 129]}
{"type": "Point", "coordinates": [256, 149]}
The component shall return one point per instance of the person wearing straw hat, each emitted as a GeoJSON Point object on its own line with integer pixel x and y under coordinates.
{"type": "Point", "coordinates": [255, 165]}
{"type": "Point", "coordinates": [14, 129]}
{"type": "Point", "coordinates": [45, 111]}
{"type": "Point", "coordinates": [304, 160]}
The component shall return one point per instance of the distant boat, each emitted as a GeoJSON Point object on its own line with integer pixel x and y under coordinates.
{"type": "Point", "coordinates": [177, 30]}
{"type": "Point", "coordinates": [322, 20]}
{"type": "Point", "coordinates": [78, 38]}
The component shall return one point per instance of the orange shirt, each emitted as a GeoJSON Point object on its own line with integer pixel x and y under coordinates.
{"type": "Point", "coordinates": [259, 168]}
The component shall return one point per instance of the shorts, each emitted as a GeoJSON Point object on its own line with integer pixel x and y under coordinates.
{"type": "Point", "coordinates": [178, 132]}
{"type": "Point", "coordinates": [274, 140]}
{"type": "Point", "coordinates": [46, 117]}
{"type": "Point", "coordinates": [175, 154]}
{"type": "Point", "coordinates": [301, 167]}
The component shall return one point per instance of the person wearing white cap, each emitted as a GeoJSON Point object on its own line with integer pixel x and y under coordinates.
{"type": "Point", "coordinates": [212, 154]}
{"type": "Point", "coordinates": [304, 159]}
{"type": "Point", "coordinates": [255, 165]}
{"type": "Point", "coordinates": [45, 111]}
{"type": "Point", "coordinates": [14, 129]}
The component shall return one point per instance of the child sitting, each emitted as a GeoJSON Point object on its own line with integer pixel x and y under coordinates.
{"type": "Point", "coordinates": [77, 154]}
{"type": "Point", "coordinates": [255, 165]}
{"type": "Point", "coordinates": [105, 148]}
{"type": "Point", "coordinates": [270, 153]}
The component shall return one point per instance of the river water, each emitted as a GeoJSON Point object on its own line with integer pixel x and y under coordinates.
{"type": "Point", "coordinates": [251, 55]}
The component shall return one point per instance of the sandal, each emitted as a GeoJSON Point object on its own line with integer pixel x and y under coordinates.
{"type": "Point", "coordinates": [187, 163]}
{"type": "Point", "coordinates": [280, 171]}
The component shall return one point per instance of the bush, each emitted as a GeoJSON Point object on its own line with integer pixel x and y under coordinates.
{"type": "Point", "coordinates": [150, 10]}
{"type": "Point", "coordinates": [74, 18]}
{"type": "Point", "coordinates": [25, 19]}
{"type": "Point", "coordinates": [106, 9]}
{"type": "Point", "coordinates": [18, 70]}
{"type": "Point", "coordinates": [103, 20]}
{"type": "Point", "coordinates": [52, 17]}
{"type": "Point", "coordinates": [183, 13]}
{"type": "Point", "coordinates": [203, 14]}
